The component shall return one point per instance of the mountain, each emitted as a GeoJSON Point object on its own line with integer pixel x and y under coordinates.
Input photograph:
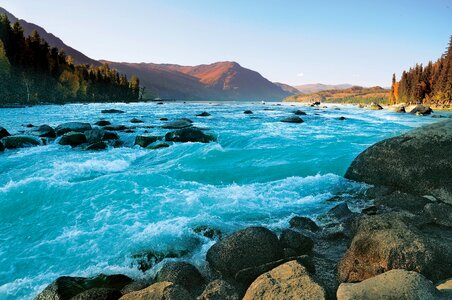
{"type": "Point", "coordinates": [79, 58]}
{"type": "Point", "coordinates": [355, 94]}
{"type": "Point", "coordinates": [287, 88]}
{"type": "Point", "coordinates": [218, 81]}
{"type": "Point", "coordinates": [318, 87]}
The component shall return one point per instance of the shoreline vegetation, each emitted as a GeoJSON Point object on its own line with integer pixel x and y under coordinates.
{"type": "Point", "coordinates": [399, 242]}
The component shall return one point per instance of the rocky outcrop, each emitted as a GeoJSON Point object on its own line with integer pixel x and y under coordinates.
{"type": "Point", "coordinates": [300, 243]}
{"type": "Point", "coordinates": [219, 290]}
{"type": "Point", "coordinates": [439, 213]}
{"type": "Point", "coordinates": [185, 135]}
{"type": "Point", "coordinates": [20, 141]}
{"type": "Point", "coordinates": [98, 294]}
{"type": "Point", "coordinates": [399, 108]}
{"type": "Point", "coordinates": [404, 201]}
{"type": "Point", "coordinates": [418, 162]}
{"type": "Point", "coordinates": [45, 131]}
{"type": "Point", "coordinates": [394, 284]}
{"type": "Point", "coordinates": [160, 291]}
{"type": "Point", "coordinates": [293, 119]}
{"type": "Point", "coordinates": [94, 135]}
{"type": "Point", "coordinates": [73, 139]}
{"type": "Point", "coordinates": [246, 248]}
{"type": "Point", "coordinates": [394, 241]}
{"type": "Point", "coordinates": [421, 110]}
{"type": "Point", "coordinates": [287, 281]}
{"type": "Point", "coordinates": [67, 287]}
{"type": "Point", "coordinates": [72, 126]}
{"type": "Point", "coordinates": [4, 133]}
{"type": "Point", "coordinates": [303, 223]}
{"type": "Point", "coordinates": [375, 106]}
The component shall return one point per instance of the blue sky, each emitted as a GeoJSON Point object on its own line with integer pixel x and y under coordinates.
{"type": "Point", "coordinates": [295, 42]}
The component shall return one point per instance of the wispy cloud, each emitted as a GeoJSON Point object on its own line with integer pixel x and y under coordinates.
{"type": "Point", "coordinates": [301, 74]}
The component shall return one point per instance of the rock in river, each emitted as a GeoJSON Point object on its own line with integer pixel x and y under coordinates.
{"type": "Point", "coordinates": [112, 111]}
{"type": "Point", "coordinates": [20, 141]}
{"type": "Point", "coordinates": [189, 135]}
{"type": "Point", "coordinates": [4, 133]}
{"type": "Point", "coordinates": [72, 126]}
{"type": "Point", "coordinates": [203, 114]}
{"type": "Point", "coordinates": [73, 139]}
{"type": "Point", "coordinates": [418, 162]}
{"type": "Point", "coordinates": [375, 106]}
{"type": "Point", "coordinates": [246, 248]}
{"type": "Point", "coordinates": [144, 141]}
{"type": "Point", "coordinates": [102, 123]}
{"type": "Point", "coordinates": [178, 124]}
{"type": "Point", "coordinates": [46, 131]}
{"type": "Point", "coordinates": [294, 119]}
{"type": "Point", "coordinates": [421, 110]}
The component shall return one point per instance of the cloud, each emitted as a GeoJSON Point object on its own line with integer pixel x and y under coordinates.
{"type": "Point", "coordinates": [301, 74]}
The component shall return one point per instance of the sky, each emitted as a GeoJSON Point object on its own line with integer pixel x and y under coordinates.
{"type": "Point", "coordinates": [293, 41]}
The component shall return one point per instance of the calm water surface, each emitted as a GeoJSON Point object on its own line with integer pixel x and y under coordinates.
{"type": "Point", "coordinates": [66, 211]}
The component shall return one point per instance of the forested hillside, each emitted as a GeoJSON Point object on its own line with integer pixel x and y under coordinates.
{"type": "Point", "coordinates": [33, 72]}
{"type": "Point", "coordinates": [430, 84]}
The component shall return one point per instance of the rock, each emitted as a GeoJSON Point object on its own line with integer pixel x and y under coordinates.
{"type": "Point", "coordinates": [397, 108]}
{"type": "Point", "coordinates": [45, 131]}
{"type": "Point", "coordinates": [102, 123]}
{"type": "Point", "coordinates": [248, 275]}
{"type": "Point", "coordinates": [94, 135]}
{"type": "Point", "coordinates": [445, 288]}
{"type": "Point", "coordinates": [2, 148]}
{"type": "Point", "coordinates": [248, 112]}
{"type": "Point", "coordinates": [185, 135]}
{"type": "Point", "coordinates": [375, 106]}
{"type": "Point", "coordinates": [67, 287]}
{"type": "Point", "coordinates": [160, 291]}
{"type": "Point", "coordinates": [411, 203]}
{"type": "Point", "coordinates": [98, 294]}
{"type": "Point", "coordinates": [134, 286]}
{"type": "Point", "coordinates": [297, 241]}
{"type": "Point", "coordinates": [163, 119]}
{"type": "Point", "coordinates": [303, 223]}
{"type": "Point", "coordinates": [360, 106]}
{"type": "Point", "coordinates": [158, 146]}
{"type": "Point", "coordinates": [203, 114]}
{"type": "Point", "coordinates": [288, 281]}
{"type": "Point", "coordinates": [115, 127]}
{"type": "Point", "coordinates": [181, 273]}
{"type": "Point", "coordinates": [392, 241]}
{"type": "Point", "coordinates": [342, 118]}
{"type": "Point", "coordinates": [97, 146]}
{"type": "Point", "coordinates": [219, 290]}
{"type": "Point", "coordinates": [246, 248]}
{"type": "Point", "coordinates": [294, 119]}
{"type": "Point", "coordinates": [208, 232]}
{"type": "Point", "coordinates": [421, 110]}
{"type": "Point", "coordinates": [439, 213]}
{"type": "Point", "coordinates": [289, 252]}
{"type": "Point", "coordinates": [108, 135]}
{"type": "Point", "coordinates": [112, 111]}
{"type": "Point", "coordinates": [20, 141]}
{"type": "Point", "coordinates": [178, 124]}
{"type": "Point", "coordinates": [438, 117]}
{"type": "Point", "coordinates": [299, 113]}
{"type": "Point", "coordinates": [418, 162]}
{"type": "Point", "coordinates": [394, 284]}
{"type": "Point", "coordinates": [145, 141]}
{"type": "Point", "coordinates": [147, 259]}
{"type": "Point", "coordinates": [136, 121]}
{"type": "Point", "coordinates": [3, 133]}
{"type": "Point", "coordinates": [72, 126]}
{"type": "Point", "coordinates": [340, 212]}
{"type": "Point", "coordinates": [73, 139]}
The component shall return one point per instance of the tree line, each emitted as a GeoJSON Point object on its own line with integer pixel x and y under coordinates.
{"type": "Point", "coordinates": [431, 84]}
{"type": "Point", "coordinates": [33, 72]}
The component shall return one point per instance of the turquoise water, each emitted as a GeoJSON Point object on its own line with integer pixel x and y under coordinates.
{"type": "Point", "coordinates": [66, 211]}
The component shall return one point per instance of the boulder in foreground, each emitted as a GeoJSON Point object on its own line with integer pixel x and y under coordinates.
{"type": "Point", "coordinates": [20, 141]}
{"type": "Point", "coordinates": [73, 139]}
{"type": "Point", "coordinates": [394, 284]}
{"type": "Point", "coordinates": [219, 290]}
{"type": "Point", "coordinates": [181, 273]}
{"type": "Point", "coordinates": [160, 291]}
{"type": "Point", "coordinates": [287, 281]}
{"type": "Point", "coordinates": [418, 162]}
{"type": "Point", "coordinates": [246, 248]}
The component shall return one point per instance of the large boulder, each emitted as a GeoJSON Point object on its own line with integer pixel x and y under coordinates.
{"type": "Point", "coordinates": [94, 135]}
{"type": "Point", "coordinates": [73, 139]}
{"type": "Point", "coordinates": [394, 284]}
{"type": "Point", "coordinates": [293, 119]}
{"type": "Point", "coordinates": [4, 133]}
{"type": "Point", "coordinates": [296, 241]}
{"type": "Point", "coordinates": [400, 200]}
{"type": "Point", "coordinates": [439, 213]}
{"type": "Point", "coordinates": [98, 294]}
{"type": "Point", "coordinates": [219, 290]}
{"type": "Point", "coordinates": [160, 291]}
{"type": "Point", "coordinates": [72, 126]}
{"type": "Point", "coordinates": [303, 223]}
{"type": "Point", "coordinates": [67, 287]}
{"type": "Point", "coordinates": [397, 108]}
{"type": "Point", "coordinates": [45, 131]}
{"type": "Point", "coordinates": [246, 248]}
{"type": "Point", "coordinates": [178, 124]}
{"type": "Point", "coordinates": [418, 162]}
{"type": "Point", "coordinates": [287, 281]}
{"type": "Point", "coordinates": [181, 273]}
{"type": "Point", "coordinates": [20, 141]}
{"type": "Point", "coordinates": [394, 241]}
{"type": "Point", "coordinates": [421, 110]}
{"type": "Point", "coordinates": [144, 141]}
{"type": "Point", "coordinates": [189, 135]}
